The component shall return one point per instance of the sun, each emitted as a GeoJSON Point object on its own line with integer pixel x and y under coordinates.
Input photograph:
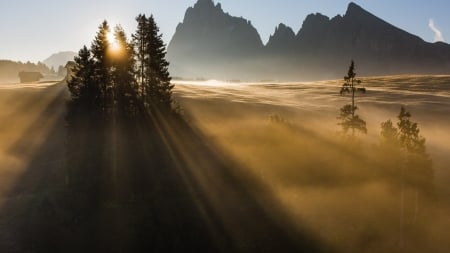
{"type": "Point", "coordinates": [114, 45]}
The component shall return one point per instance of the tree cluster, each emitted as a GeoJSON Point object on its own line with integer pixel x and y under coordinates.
{"type": "Point", "coordinates": [408, 146]}
{"type": "Point", "coordinates": [403, 150]}
{"type": "Point", "coordinates": [404, 143]}
{"type": "Point", "coordinates": [120, 75]}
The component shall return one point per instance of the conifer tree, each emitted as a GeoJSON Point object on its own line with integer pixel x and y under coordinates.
{"type": "Point", "coordinates": [140, 40]}
{"type": "Point", "coordinates": [153, 70]}
{"type": "Point", "coordinates": [123, 72]}
{"type": "Point", "coordinates": [415, 168]}
{"type": "Point", "coordinates": [347, 115]}
{"type": "Point", "coordinates": [82, 85]}
{"type": "Point", "coordinates": [102, 63]}
{"type": "Point", "coordinates": [160, 86]}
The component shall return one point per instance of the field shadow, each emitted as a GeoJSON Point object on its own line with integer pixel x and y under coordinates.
{"type": "Point", "coordinates": [152, 184]}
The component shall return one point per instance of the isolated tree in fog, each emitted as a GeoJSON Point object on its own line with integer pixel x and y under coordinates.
{"type": "Point", "coordinates": [408, 149]}
{"type": "Point", "coordinates": [153, 74]}
{"type": "Point", "coordinates": [409, 134]}
{"type": "Point", "coordinates": [417, 161]}
{"type": "Point", "coordinates": [407, 139]}
{"type": "Point", "coordinates": [351, 121]}
{"type": "Point", "coordinates": [347, 113]}
{"type": "Point", "coordinates": [389, 133]}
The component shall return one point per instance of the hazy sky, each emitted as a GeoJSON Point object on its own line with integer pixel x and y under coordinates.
{"type": "Point", "coordinates": [34, 29]}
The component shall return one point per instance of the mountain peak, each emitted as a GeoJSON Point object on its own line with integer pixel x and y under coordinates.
{"type": "Point", "coordinates": [208, 32]}
{"type": "Point", "coordinates": [214, 44]}
{"type": "Point", "coordinates": [353, 7]}
{"type": "Point", "coordinates": [283, 30]}
{"type": "Point", "coordinates": [282, 38]}
{"type": "Point", "coordinates": [356, 10]}
{"type": "Point", "coordinates": [204, 3]}
{"type": "Point", "coordinates": [207, 4]}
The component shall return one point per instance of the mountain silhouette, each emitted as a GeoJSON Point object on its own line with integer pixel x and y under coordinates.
{"type": "Point", "coordinates": [211, 40]}
{"type": "Point", "coordinates": [210, 43]}
{"type": "Point", "coordinates": [282, 41]}
{"type": "Point", "coordinates": [59, 59]}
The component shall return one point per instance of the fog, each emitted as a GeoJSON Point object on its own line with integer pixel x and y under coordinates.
{"type": "Point", "coordinates": [260, 152]}
{"type": "Point", "coordinates": [286, 135]}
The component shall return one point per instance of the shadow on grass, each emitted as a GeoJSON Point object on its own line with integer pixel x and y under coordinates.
{"type": "Point", "coordinates": [151, 184]}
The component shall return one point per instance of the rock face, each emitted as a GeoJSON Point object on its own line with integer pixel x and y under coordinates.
{"type": "Point", "coordinates": [212, 44]}
{"type": "Point", "coordinates": [282, 41]}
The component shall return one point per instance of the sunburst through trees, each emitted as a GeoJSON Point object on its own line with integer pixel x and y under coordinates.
{"type": "Point", "coordinates": [122, 76]}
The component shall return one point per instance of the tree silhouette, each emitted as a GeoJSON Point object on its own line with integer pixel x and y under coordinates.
{"type": "Point", "coordinates": [120, 76]}
{"type": "Point", "coordinates": [82, 85]}
{"type": "Point", "coordinates": [153, 73]}
{"type": "Point", "coordinates": [406, 137]}
{"type": "Point", "coordinates": [140, 41]}
{"type": "Point", "coordinates": [347, 113]}
{"type": "Point", "coordinates": [416, 172]}
{"type": "Point", "coordinates": [102, 64]}
{"type": "Point", "coordinates": [389, 133]}
{"type": "Point", "coordinates": [123, 74]}
{"type": "Point", "coordinates": [409, 134]}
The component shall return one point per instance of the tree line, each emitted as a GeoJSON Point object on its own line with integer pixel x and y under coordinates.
{"type": "Point", "coordinates": [119, 75]}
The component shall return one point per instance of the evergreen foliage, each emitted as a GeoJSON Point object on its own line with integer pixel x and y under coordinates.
{"type": "Point", "coordinates": [82, 85]}
{"type": "Point", "coordinates": [153, 68]}
{"type": "Point", "coordinates": [350, 121]}
{"type": "Point", "coordinates": [119, 76]}
{"type": "Point", "coordinates": [408, 154]}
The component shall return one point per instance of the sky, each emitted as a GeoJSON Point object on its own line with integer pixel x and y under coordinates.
{"type": "Point", "coordinates": [32, 30]}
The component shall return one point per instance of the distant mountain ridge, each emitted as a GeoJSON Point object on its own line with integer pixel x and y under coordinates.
{"type": "Point", "coordinates": [206, 33]}
{"type": "Point", "coordinates": [210, 43]}
{"type": "Point", "coordinates": [59, 59]}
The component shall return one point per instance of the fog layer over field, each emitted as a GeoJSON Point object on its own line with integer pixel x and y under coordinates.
{"type": "Point", "coordinates": [346, 192]}
{"type": "Point", "coordinates": [268, 149]}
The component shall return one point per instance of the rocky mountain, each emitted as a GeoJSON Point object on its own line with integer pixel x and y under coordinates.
{"type": "Point", "coordinates": [213, 44]}
{"type": "Point", "coordinates": [282, 41]}
{"type": "Point", "coordinates": [59, 59]}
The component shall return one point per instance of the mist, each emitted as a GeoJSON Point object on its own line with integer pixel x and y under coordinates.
{"type": "Point", "coordinates": [347, 193]}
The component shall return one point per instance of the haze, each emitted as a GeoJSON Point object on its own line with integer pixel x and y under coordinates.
{"type": "Point", "coordinates": [32, 31]}
{"type": "Point", "coordinates": [327, 139]}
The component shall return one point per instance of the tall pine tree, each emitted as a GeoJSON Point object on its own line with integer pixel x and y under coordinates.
{"type": "Point", "coordinates": [140, 40]}
{"type": "Point", "coordinates": [102, 64]}
{"type": "Point", "coordinates": [116, 75]}
{"type": "Point", "coordinates": [82, 85]}
{"type": "Point", "coordinates": [123, 73]}
{"type": "Point", "coordinates": [349, 120]}
{"type": "Point", "coordinates": [153, 68]}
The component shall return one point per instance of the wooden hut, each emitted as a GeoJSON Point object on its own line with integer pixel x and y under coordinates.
{"type": "Point", "coordinates": [30, 77]}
